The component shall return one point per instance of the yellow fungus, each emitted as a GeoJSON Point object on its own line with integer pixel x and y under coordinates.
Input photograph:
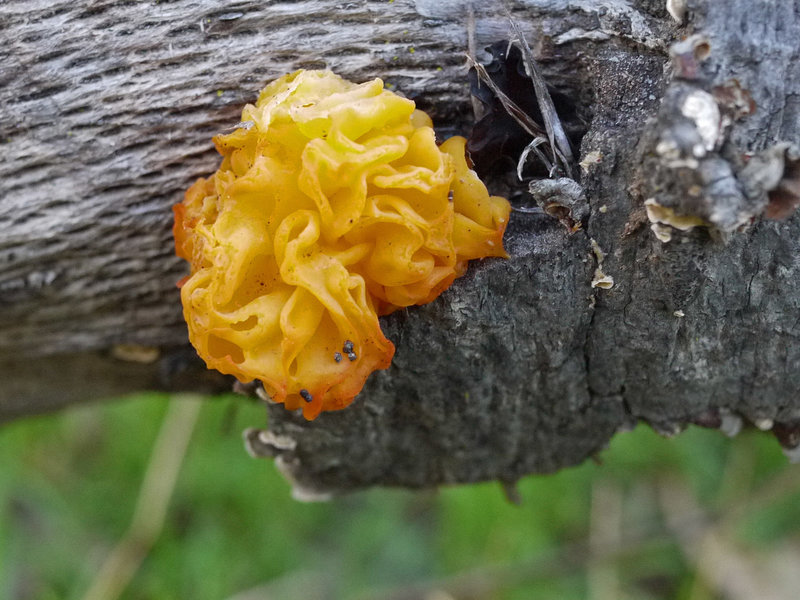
{"type": "Point", "coordinates": [333, 206]}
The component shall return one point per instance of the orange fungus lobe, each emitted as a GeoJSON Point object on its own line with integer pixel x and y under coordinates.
{"type": "Point", "coordinates": [333, 205]}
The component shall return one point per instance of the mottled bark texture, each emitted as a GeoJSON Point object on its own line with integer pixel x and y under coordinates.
{"type": "Point", "coordinates": [525, 365]}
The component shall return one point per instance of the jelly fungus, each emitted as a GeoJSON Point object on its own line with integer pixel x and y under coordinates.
{"type": "Point", "coordinates": [329, 209]}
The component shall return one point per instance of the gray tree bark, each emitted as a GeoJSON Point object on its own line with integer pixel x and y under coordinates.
{"type": "Point", "coordinates": [525, 365]}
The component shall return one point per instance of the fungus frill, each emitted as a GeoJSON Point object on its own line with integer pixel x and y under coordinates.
{"type": "Point", "coordinates": [333, 205]}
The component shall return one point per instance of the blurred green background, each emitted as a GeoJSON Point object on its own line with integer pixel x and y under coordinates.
{"type": "Point", "coordinates": [695, 517]}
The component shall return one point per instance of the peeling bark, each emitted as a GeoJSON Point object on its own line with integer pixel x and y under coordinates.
{"type": "Point", "coordinates": [106, 115]}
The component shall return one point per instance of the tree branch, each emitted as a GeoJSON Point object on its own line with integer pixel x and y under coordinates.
{"type": "Point", "coordinates": [522, 366]}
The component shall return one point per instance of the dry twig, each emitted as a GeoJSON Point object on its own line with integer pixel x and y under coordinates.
{"type": "Point", "coordinates": [154, 496]}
